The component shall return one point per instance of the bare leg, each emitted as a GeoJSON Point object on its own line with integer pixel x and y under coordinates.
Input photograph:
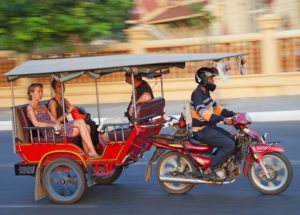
{"type": "Point", "coordinates": [88, 128]}
{"type": "Point", "coordinates": [76, 133]}
{"type": "Point", "coordinates": [86, 138]}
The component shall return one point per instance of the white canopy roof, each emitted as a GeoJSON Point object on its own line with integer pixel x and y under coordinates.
{"type": "Point", "coordinates": [107, 64]}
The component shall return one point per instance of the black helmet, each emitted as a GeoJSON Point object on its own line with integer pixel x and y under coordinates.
{"type": "Point", "coordinates": [202, 74]}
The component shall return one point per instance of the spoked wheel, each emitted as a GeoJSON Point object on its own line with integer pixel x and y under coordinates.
{"type": "Point", "coordinates": [110, 178]}
{"type": "Point", "coordinates": [279, 169]}
{"type": "Point", "coordinates": [168, 165]}
{"type": "Point", "coordinates": [64, 181]}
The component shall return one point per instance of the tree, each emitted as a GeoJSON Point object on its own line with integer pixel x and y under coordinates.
{"type": "Point", "coordinates": [26, 25]}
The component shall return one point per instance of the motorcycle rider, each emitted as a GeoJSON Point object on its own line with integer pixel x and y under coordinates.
{"type": "Point", "coordinates": [206, 113]}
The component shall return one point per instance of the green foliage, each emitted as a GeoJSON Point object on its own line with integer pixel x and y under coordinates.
{"type": "Point", "coordinates": [26, 25]}
{"type": "Point", "coordinates": [204, 20]}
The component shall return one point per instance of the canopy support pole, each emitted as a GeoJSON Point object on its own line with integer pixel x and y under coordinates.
{"type": "Point", "coordinates": [97, 98]}
{"type": "Point", "coordinates": [51, 90]}
{"type": "Point", "coordinates": [14, 126]}
{"type": "Point", "coordinates": [133, 94]}
{"type": "Point", "coordinates": [64, 111]}
{"type": "Point", "coordinates": [162, 85]}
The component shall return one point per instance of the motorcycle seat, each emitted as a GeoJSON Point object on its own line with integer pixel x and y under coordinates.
{"type": "Point", "coordinates": [195, 142]}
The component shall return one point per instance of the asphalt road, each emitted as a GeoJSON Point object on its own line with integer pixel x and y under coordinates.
{"type": "Point", "coordinates": [132, 195]}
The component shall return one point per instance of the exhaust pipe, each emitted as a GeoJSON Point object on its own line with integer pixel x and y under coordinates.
{"type": "Point", "coordinates": [192, 180]}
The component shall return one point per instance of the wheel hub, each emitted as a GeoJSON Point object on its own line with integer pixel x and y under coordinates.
{"type": "Point", "coordinates": [272, 173]}
{"type": "Point", "coordinates": [62, 181]}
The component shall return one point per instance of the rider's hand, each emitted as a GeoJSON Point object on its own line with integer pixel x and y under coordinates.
{"type": "Point", "coordinates": [227, 121]}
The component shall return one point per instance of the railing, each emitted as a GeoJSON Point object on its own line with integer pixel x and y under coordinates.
{"type": "Point", "coordinates": [247, 43]}
{"type": "Point", "coordinates": [289, 50]}
{"type": "Point", "coordinates": [43, 134]}
{"type": "Point", "coordinates": [116, 132]}
{"type": "Point", "coordinates": [6, 64]}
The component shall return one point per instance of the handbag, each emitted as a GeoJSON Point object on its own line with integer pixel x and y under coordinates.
{"type": "Point", "coordinates": [76, 114]}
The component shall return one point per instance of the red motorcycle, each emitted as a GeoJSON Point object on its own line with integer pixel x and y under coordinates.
{"type": "Point", "coordinates": [182, 166]}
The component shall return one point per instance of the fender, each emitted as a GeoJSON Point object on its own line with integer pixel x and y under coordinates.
{"type": "Point", "coordinates": [256, 153]}
{"type": "Point", "coordinates": [157, 153]}
{"type": "Point", "coordinates": [61, 153]}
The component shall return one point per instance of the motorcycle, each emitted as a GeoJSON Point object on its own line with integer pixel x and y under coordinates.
{"type": "Point", "coordinates": [182, 166]}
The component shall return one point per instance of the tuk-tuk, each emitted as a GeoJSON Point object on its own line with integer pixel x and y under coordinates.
{"type": "Point", "coordinates": [61, 168]}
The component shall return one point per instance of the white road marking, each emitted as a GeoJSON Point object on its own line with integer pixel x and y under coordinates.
{"type": "Point", "coordinates": [49, 206]}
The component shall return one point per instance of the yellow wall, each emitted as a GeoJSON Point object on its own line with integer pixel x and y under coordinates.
{"type": "Point", "coordinates": [115, 92]}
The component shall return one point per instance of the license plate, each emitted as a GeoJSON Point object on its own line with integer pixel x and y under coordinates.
{"type": "Point", "coordinates": [25, 169]}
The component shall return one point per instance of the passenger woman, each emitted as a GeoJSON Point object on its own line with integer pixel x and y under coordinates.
{"type": "Point", "coordinates": [40, 116]}
{"type": "Point", "coordinates": [56, 109]}
{"type": "Point", "coordinates": [55, 103]}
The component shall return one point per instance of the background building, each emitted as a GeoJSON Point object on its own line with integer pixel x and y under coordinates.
{"type": "Point", "coordinates": [165, 19]}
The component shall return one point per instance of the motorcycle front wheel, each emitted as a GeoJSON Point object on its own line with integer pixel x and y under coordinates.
{"type": "Point", "coordinates": [279, 169]}
{"type": "Point", "coordinates": [168, 165]}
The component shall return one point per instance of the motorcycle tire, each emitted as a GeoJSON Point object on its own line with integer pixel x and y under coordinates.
{"type": "Point", "coordinates": [276, 163]}
{"type": "Point", "coordinates": [167, 161]}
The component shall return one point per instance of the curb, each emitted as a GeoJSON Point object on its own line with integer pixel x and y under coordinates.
{"type": "Point", "coordinates": [270, 116]}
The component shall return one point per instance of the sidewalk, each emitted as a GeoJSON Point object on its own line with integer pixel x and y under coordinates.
{"type": "Point", "coordinates": [266, 109]}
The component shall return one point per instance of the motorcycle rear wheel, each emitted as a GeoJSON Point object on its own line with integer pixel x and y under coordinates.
{"type": "Point", "coordinates": [280, 170]}
{"type": "Point", "coordinates": [167, 165]}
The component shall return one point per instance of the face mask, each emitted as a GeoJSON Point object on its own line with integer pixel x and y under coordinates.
{"type": "Point", "coordinates": [210, 87]}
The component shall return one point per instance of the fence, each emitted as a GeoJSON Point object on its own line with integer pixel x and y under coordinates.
{"type": "Point", "coordinates": [269, 52]}
{"type": "Point", "coordinates": [6, 64]}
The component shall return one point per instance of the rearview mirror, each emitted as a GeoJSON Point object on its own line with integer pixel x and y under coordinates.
{"type": "Point", "coordinates": [222, 70]}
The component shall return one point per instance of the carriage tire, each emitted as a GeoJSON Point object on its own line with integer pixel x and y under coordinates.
{"type": "Point", "coordinates": [110, 178]}
{"type": "Point", "coordinates": [71, 179]}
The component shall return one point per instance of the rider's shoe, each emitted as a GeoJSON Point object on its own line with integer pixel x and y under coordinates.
{"type": "Point", "coordinates": [206, 176]}
{"type": "Point", "coordinates": [211, 176]}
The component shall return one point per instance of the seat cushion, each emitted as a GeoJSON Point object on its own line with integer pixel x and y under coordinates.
{"type": "Point", "coordinates": [24, 121]}
{"type": "Point", "coordinates": [196, 142]}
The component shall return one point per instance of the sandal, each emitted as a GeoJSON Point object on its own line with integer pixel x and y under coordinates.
{"type": "Point", "coordinates": [94, 156]}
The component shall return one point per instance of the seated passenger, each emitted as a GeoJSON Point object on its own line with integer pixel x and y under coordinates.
{"type": "Point", "coordinates": [40, 116]}
{"type": "Point", "coordinates": [55, 103]}
{"type": "Point", "coordinates": [143, 92]}
{"type": "Point", "coordinates": [55, 107]}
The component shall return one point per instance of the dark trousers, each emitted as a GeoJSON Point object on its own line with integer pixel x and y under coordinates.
{"type": "Point", "coordinates": [219, 138]}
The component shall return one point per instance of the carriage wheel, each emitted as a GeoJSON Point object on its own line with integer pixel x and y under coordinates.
{"type": "Point", "coordinates": [64, 181]}
{"type": "Point", "coordinates": [110, 178]}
